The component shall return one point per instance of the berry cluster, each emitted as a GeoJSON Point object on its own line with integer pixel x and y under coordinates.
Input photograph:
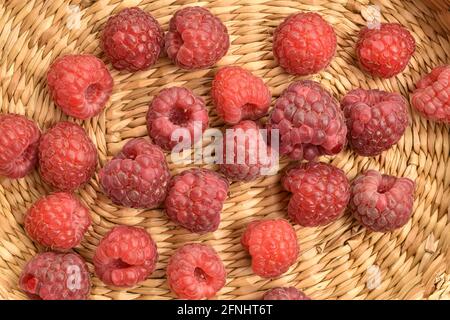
{"type": "Point", "coordinates": [310, 122]}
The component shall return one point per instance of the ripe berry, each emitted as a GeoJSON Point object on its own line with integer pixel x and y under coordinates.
{"type": "Point", "coordinates": [196, 39]}
{"type": "Point", "coordinates": [238, 95]}
{"type": "Point", "coordinates": [432, 95]}
{"type": "Point", "coordinates": [246, 156]}
{"type": "Point", "coordinates": [195, 199]}
{"type": "Point", "coordinates": [385, 51]}
{"type": "Point", "coordinates": [381, 202]}
{"type": "Point", "coordinates": [310, 121]}
{"type": "Point", "coordinates": [125, 256]}
{"type": "Point", "coordinates": [273, 246]}
{"type": "Point", "coordinates": [132, 40]}
{"type": "Point", "coordinates": [195, 271]}
{"type": "Point", "coordinates": [320, 193]}
{"type": "Point", "coordinates": [80, 85]}
{"type": "Point", "coordinates": [176, 111]}
{"type": "Point", "coordinates": [304, 43]}
{"type": "Point", "coordinates": [285, 293]}
{"type": "Point", "coordinates": [67, 157]}
{"type": "Point", "coordinates": [56, 276]}
{"type": "Point", "coordinates": [376, 120]}
{"type": "Point", "coordinates": [137, 177]}
{"type": "Point", "coordinates": [19, 140]}
{"type": "Point", "coordinates": [58, 221]}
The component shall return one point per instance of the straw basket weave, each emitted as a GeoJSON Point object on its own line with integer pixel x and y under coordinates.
{"type": "Point", "coordinates": [339, 261]}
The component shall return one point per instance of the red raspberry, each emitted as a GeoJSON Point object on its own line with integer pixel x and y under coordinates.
{"type": "Point", "coordinates": [125, 256]}
{"type": "Point", "coordinates": [195, 271]}
{"type": "Point", "coordinates": [310, 121]}
{"type": "Point", "coordinates": [80, 85]}
{"type": "Point", "coordinates": [132, 40]}
{"type": "Point", "coordinates": [56, 276]}
{"type": "Point", "coordinates": [287, 293]}
{"type": "Point", "coordinates": [304, 43]}
{"type": "Point", "coordinates": [238, 95]}
{"type": "Point", "coordinates": [381, 202]}
{"type": "Point", "coordinates": [432, 95]}
{"type": "Point", "coordinates": [320, 193]}
{"type": "Point", "coordinates": [67, 156]}
{"type": "Point", "coordinates": [385, 51]}
{"type": "Point", "coordinates": [19, 140]}
{"type": "Point", "coordinates": [179, 109]}
{"type": "Point", "coordinates": [246, 155]}
{"type": "Point", "coordinates": [58, 221]}
{"type": "Point", "coordinates": [195, 199]}
{"type": "Point", "coordinates": [273, 246]}
{"type": "Point", "coordinates": [196, 39]}
{"type": "Point", "coordinates": [138, 176]}
{"type": "Point", "coordinates": [376, 120]}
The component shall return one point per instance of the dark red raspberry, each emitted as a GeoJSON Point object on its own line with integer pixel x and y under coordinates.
{"type": "Point", "coordinates": [376, 120]}
{"type": "Point", "coordinates": [285, 293]}
{"type": "Point", "coordinates": [432, 95]}
{"type": "Point", "coordinates": [196, 39]}
{"type": "Point", "coordinates": [385, 51]}
{"type": "Point", "coordinates": [58, 221]}
{"type": "Point", "coordinates": [273, 246]}
{"type": "Point", "coordinates": [237, 95]}
{"type": "Point", "coordinates": [309, 120]}
{"type": "Point", "coordinates": [19, 140]}
{"type": "Point", "coordinates": [177, 111]}
{"type": "Point", "coordinates": [320, 193]}
{"type": "Point", "coordinates": [195, 199]}
{"type": "Point", "coordinates": [125, 256]}
{"type": "Point", "coordinates": [381, 202]}
{"type": "Point", "coordinates": [56, 276]}
{"type": "Point", "coordinates": [138, 176]}
{"type": "Point", "coordinates": [132, 40]}
{"type": "Point", "coordinates": [67, 156]}
{"type": "Point", "coordinates": [246, 156]}
{"type": "Point", "coordinates": [195, 271]}
{"type": "Point", "coordinates": [304, 43]}
{"type": "Point", "coordinates": [80, 85]}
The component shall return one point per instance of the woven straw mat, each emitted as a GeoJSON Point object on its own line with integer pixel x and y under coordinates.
{"type": "Point", "coordinates": [338, 261]}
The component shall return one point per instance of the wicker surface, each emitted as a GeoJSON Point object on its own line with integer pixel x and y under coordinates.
{"type": "Point", "coordinates": [336, 261]}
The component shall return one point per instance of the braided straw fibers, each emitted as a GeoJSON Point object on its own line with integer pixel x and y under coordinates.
{"type": "Point", "coordinates": [336, 261]}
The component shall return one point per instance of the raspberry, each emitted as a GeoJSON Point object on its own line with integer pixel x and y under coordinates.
{"type": "Point", "coordinates": [238, 95]}
{"type": "Point", "coordinates": [56, 276]}
{"type": "Point", "coordinates": [246, 155]}
{"type": "Point", "coordinates": [176, 111]}
{"type": "Point", "coordinates": [138, 176]}
{"type": "Point", "coordinates": [376, 120]}
{"type": "Point", "coordinates": [67, 157]}
{"type": "Point", "coordinates": [381, 202]}
{"type": "Point", "coordinates": [273, 246]}
{"type": "Point", "coordinates": [304, 43]}
{"type": "Point", "coordinates": [195, 271]}
{"type": "Point", "coordinates": [320, 193]}
{"type": "Point", "coordinates": [125, 256]}
{"type": "Point", "coordinates": [310, 121]}
{"type": "Point", "coordinates": [288, 293]}
{"type": "Point", "coordinates": [80, 85]}
{"type": "Point", "coordinates": [432, 95]}
{"type": "Point", "coordinates": [385, 51]}
{"type": "Point", "coordinates": [19, 140]}
{"type": "Point", "coordinates": [58, 221]}
{"type": "Point", "coordinates": [195, 199]}
{"type": "Point", "coordinates": [132, 40]}
{"type": "Point", "coordinates": [196, 38]}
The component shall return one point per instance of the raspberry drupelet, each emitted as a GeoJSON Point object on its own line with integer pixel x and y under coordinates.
{"type": "Point", "coordinates": [285, 293]}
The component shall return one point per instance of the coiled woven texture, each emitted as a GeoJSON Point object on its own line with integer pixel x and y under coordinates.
{"type": "Point", "coordinates": [339, 261]}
